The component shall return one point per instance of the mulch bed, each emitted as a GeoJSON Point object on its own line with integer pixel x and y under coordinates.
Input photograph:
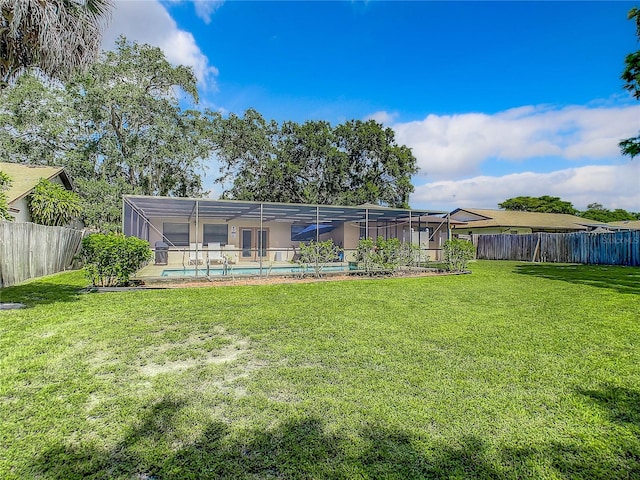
{"type": "Point", "coordinates": [276, 280]}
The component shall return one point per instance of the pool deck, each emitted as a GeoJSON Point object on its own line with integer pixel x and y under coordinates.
{"type": "Point", "coordinates": [152, 271]}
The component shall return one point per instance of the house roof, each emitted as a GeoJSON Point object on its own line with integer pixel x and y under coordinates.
{"type": "Point", "coordinates": [227, 210]}
{"type": "Point", "coordinates": [24, 178]}
{"type": "Point", "coordinates": [630, 224]}
{"type": "Point", "coordinates": [508, 218]}
{"type": "Point", "coordinates": [439, 220]}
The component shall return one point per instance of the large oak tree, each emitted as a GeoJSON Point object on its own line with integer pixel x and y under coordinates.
{"type": "Point", "coordinates": [353, 163]}
{"type": "Point", "coordinates": [118, 128]}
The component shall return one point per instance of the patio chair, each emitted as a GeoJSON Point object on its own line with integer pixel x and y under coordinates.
{"type": "Point", "coordinates": [230, 254]}
{"type": "Point", "coordinates": [215, 253]}
{"type": "Point", "coordinates": [195, 257]}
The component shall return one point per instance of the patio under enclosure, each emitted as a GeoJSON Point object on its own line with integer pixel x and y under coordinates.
{"type": "Point", "coordinates": [206, 237]}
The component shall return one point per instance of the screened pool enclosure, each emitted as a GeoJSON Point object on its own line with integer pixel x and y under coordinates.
{"type": "Point", "coordinates": [213, 237]}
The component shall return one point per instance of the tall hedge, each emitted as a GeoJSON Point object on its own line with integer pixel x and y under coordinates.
{"type": "Point", "coordinates": [458, 253]}
{"type": "Point", "coordinates": [111, 259]}
{"type": "Point", "coordinates": [384, 255]}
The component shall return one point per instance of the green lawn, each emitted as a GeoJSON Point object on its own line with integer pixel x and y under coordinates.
{"type": "Point", "coordinates": [515, 371]}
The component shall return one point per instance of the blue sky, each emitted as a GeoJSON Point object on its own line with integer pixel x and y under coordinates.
{"type": "Point", "coordinates": [496, 99]}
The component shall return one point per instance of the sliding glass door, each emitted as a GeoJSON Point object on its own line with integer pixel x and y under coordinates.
{"type": "Point", "coordinates": [254, 243]}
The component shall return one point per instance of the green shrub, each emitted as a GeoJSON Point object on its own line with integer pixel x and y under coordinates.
{"type": "Point", "coordinates": [316, 254]}
{"type": "Point", "coordinates": [111, 259]}
{"type": "Point", "coordinates": [52, 204]}
{"type": "Point", "coordinates": [5, 183]}
{"type": "Point", "coordinates": [457, 254]}
{"type": "Point", "coordinates": [384, 255]}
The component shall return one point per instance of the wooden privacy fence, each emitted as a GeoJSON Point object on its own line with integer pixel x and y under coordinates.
{"type": "Point", "coordinates": [28, 250]}
{"type": "Point", "coordinates": [619, 248]}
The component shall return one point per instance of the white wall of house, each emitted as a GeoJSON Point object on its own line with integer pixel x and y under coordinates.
{"type": "Point", "coordinates": [351, 236]}
{"type": "Point", "coordinates": [434, 238]}
{"type": "Point", "coordinates": [279, 232]}
{"type": "Point", "coordinates": [23, 214]}
{"type": "Point", "coordinates": [279, 236]}
{"type": "Point", "coordinates": [440, 236]}
{"type": "Point", "coordinates": [280, 245]}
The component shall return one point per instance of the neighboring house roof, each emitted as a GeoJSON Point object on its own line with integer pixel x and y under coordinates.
{"type": "Point", "coordinates": [24, 178]}
{"type": "Point", "coordinates": [630, 224]}
{"type": "Point", "coordinates": [438, 219]}
{"type": "Point", "coordinates": [477, 218]}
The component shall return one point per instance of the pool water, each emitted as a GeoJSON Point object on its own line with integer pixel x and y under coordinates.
{"type": "Point", "coordinates": [249, 271]}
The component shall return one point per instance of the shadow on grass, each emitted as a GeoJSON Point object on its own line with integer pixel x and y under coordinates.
{"type": "Point", "coordinates": [621, 279]}
{"type": "Point", "coordinates": [302, 448]}
{"type": "Point", "coordinates": [40, 293]}
{"type": "Point", "coordinates": [573, 459]}
{"type": "Point", "coordinates": [621, 404]}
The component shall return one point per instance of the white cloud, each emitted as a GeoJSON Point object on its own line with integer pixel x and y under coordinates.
{"type": "Point", "coordinates": [149, 22]}
{"type": "Point", "coordinates": [614, 186]}
{"type": "Point", "coordinates": [385, 118]}
{"type": "Point", "coordinates": [206, 8]}
{"type": "Point", "coordinates": [449, 146]}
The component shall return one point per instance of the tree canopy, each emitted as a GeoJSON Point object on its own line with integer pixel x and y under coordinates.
{"type": "Point", "coordinates": [353, 163]}
{"type": "Point", "coordinates": [134, 130]}
{"type": "Point", "coordinates": [128, 125]}
{"type": "Point", "coordinates": [117, 128]}
{"type": "Point", "coordinates": [595, 211]}
{"type": "Point", "coordinates": [543, 204]}
{"type": "Point", "coordinates": [547, 204]}
{"type": "Point", "coordinates": [631, 77]}
{"type": "Point", "coordinates": [56, 36]}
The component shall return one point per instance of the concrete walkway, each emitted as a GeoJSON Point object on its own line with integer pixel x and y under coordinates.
{"type": "Point", "coordinates": [11, 306]}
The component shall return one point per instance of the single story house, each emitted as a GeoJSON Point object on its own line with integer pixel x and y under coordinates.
{"type": "Point", "coordinates": [625, 225]}
{"type": "Point", "coordinates": [24, 178]}
{"type": "Point", "coordinates": [194, 231]}
{"type": "Point", "coordinates": [487, 222]}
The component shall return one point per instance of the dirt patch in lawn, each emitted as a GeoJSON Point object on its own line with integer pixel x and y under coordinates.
{"type": "Point", "coordinates": [276, 280]}
{"type": "Point", "coordinates": [214, 348]}
{"type": "Point", "coordinates": [195, 356]}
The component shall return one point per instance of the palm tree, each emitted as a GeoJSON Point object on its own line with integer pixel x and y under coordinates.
{"type": "Point", "coordinates": [56, 36]}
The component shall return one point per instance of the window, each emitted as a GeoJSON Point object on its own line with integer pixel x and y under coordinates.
{"type": "Point", "coordinates": [176, 233]}
{"type": "Point", "coordinates": [215, 233]}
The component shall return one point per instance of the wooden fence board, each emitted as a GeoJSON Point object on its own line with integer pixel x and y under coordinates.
{"type": "Point", "coordinates": [28, 250]}
{"type": "Point", "coordinates": [618, 248]}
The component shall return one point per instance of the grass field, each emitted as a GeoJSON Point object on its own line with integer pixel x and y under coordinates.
{"type": "Point", "coordinates": [515, 371]}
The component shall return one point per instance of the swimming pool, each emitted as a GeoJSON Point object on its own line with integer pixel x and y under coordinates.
{"type": "Point", "coordinates": [249, 271]}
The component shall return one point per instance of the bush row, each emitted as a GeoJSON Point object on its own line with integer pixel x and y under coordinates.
{"type": "Point", "coordinates": [111, 259]}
